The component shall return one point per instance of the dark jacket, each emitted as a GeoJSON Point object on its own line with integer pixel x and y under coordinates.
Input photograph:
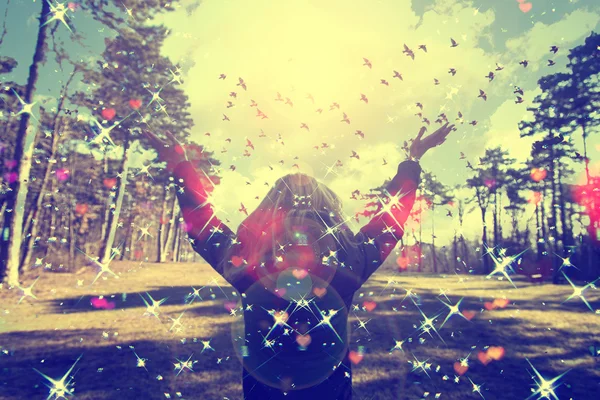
{"type": "Point", "coordinates": [297, 345]}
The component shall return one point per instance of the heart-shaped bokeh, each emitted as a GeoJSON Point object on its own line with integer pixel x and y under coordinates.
{"type": "Point", "coordinates": [109, 113]}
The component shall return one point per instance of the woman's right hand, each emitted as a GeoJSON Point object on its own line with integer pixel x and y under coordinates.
{"type": "Point", "coordinates": [171, 150]}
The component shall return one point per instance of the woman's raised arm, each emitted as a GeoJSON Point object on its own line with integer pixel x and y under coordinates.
{"type": "Point", "coordinates": [208, 235]}
{"type": "Point", "coordinates": [379, 237]}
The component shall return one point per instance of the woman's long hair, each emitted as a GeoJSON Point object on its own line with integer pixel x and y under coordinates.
{"type": "Point", "coordinates": [298, 212]}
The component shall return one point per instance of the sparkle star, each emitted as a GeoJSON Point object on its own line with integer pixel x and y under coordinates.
{"type": "Point", "coordinates": [453, 310]}
{"type": "Point", "coordinates": [578, 291]}
{"type": "Point", "coordinates": [545, 388]}
{"type": "Point", "coordinates": [140, 362]}
{"type": "Point", "coordinates": [27, 292]}
{"type": "Point", "coordinates": [59, 13]}
{"type": "Point", "coordinates": [207, 346]}
{"type": "Point", "coordinates": [397, 346]}
{"type": "Point", "coordinates": [153, 307]}
{"type": "Point", "coordinates": [104, 267]}
{"type": "Point", "coordinates": [476, 388]}
{"type": "Point", "coordinates": [503, 264]}
{"type": "Point", "coordinates": [60, 389]}
{"type": "Point", "coordinates": [177, 326]}
{"type": "Point", "coordinates": [104, 132]}
{"type": "Point", "coordinates": [26, 108]}
{"type": "Point", "coordinates": [188, 364]}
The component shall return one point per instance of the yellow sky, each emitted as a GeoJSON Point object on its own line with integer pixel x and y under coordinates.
{"type": "Point", "coordinates": [317, 47]}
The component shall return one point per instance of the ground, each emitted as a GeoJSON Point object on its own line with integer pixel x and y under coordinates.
{"type": "Point", "coordinates": [66, 322]}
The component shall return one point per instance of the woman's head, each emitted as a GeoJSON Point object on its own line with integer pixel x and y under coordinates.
{"type": "Point", "coordinates": [299, 223]}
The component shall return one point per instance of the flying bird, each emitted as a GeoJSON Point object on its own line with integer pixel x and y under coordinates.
{"type": "Point", "coordinates": [384, 82]}
{"type": "Point", "coordinates": [228, 140]}
{"type": "Point", "coordinates": [473, 123]}
{"type": "Point", "coordinates": [408, 52]}
{"type": "Point", "coordinates": [436, 81]}
{"type": "Point", "coordinates": [551, 63]}
{"type": "Point", "coordinates": [262, 134]}
{"type": "Point", "coordinates": [319, 110]}
{"type": "Point", "coordinates": [490, 76]}
{"type": "Point", "coordinates": [519, 100]}
{"type": "Point", "coordinates": [246, 153]}
{"type": "Point", "coordinates": [232, 167]}
{"type": "Point", "coordinates": [208, 133]}
{"type": "Point", "coordinates": [360, 133]}
{"type": "Point", "coordinates": [288, 101]}
{"type": "Point", "coordinates": [310, 97]}
{"type": "Point", "coordinates": [518, 90]}
{"type": "Point", "coordinates": [225, 118]}
{"type": "Point", "coordinates": [243, 209]}
{"type": "Point", "coordinates": [482, 95]}
{"type": "Point", "coordinates": [229, 104]}
{"type": "Point", "coordinates": [279, 98]}
{"type": "Point", "coordinates": [524, 63]}
{"type": "Point", "coordinates": [345, 119]}
{"type": "Point", "coordinates": [304, 126]}
{"type": "Point", "coordinates": [419, 105]}
{"type": "Point", "coordinates": [241, 83]}
{"type": "Point", "coordinates": [364, 98]}
{"type": "Point", "coordinates": [462, 156]}
{"type": "Point", "coordinates": [334, 105]}
{"type": "Point", "coordinates": [384, 162]}
{"type": "Point", "coordinates": [249, 144]}
{"type": "Point", "coordinates": [222, 76]}
{"type": "Point", "coordinates": [453, 43]}
{"type": "Point", "coordinates": [397, 75]}
{"type": "Point", "coordinates": [452, 71]}
{"type": "Point", "coordinates": [499, 67]}
{"type": "Point", "coordinates": [367, 63]}
{"type": "Point", "coordinates": [253, 103]}
{"type": "Point", "coordinates": [423, 47]}
{"type": "Point", "coordinates": [354, 155]}
{"type": "Point", "coordinates": [554, 49]}
{"type": "Point", "coordinates": [233, 94]}
{"type": "Point", "coordinates": [261, 114]}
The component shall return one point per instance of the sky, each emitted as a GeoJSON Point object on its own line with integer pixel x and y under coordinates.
{"type": "Point", "coordinates": [317, 47]}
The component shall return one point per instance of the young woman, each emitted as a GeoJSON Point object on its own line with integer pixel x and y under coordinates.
{"type": "Point", "coordinates": [296, 265]}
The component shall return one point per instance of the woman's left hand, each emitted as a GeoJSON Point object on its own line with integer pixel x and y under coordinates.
{"type": "Point", "coordinates": [420, 145]}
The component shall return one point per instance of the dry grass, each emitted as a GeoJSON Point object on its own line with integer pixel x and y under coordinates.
{"type": "Point", "coordinates": [50, 333]}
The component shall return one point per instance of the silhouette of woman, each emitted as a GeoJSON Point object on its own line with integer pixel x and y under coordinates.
{"type": "Point", "coordinates": [296, 265]}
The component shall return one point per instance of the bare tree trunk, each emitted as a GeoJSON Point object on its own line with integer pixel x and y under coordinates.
{"type": "Point", "coordinates": [108, 241]}
{"type": "Point", "coordinates": [495, 219]}
{"type": "Point", "coordinates": [538, 231]}
{"type": "Point", "coordinates": [420, 265]}
{"type": "Point", "coordinates": [435, 266]}
{"type": "Point", "coordinates": [13, 222]}
{"type": "Point", "coordinates": [454, 252]}
{"type": "Point", "coordinates": [484, 240]}
{"type": "Point", "coordinates": [128, 242]}
{"type": "Point", "coordinates": [585, 154]}
{"type": "Point", "coordinates": [171, 231]}
{"type": "Point", "coordinates": [175, 247]}
{"type": "Point", "coordinates": [39, 199]}
{"type": "Point", "coordinates": [108, 201]}
{"type": "Point", "coordinates": [163, 224]}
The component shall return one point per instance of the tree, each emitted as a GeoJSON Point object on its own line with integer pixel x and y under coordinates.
{"type": "Point", "coordinates": [22, 155]}
{"type": "Point", "coordinates": [437, 194]}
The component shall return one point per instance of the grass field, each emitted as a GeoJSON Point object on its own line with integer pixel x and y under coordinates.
{"type": "Point", "coordinates": [50, 333]}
